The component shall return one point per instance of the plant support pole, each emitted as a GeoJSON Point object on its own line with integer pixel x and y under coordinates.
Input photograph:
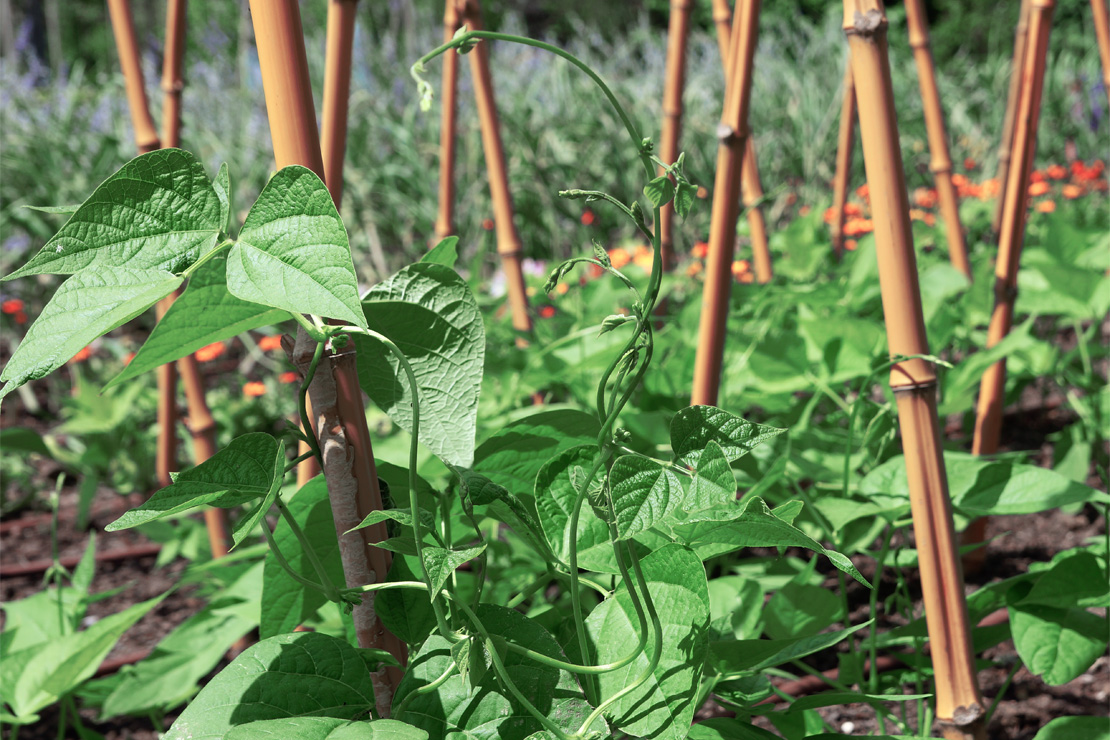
{"type": "Point", "coordinates": [1101, 17]}
{"type": "Point", "coordinates": [1016, 70]}
{"type": "Point", "coordinates": [751, 186]}
{"type": "Point", "coordinates": [959, 708]}
{"type": "Point", "coordinates": [508, 240]}
{"type": "Point", "coordinates": [940, 161]}
{"type": "Point", "coordinates": [448, 115]}
{"type": "Point", "coordinates": [673, 86]}
{"type": "Point", "coordinates": [846, 140]}
{"type": "Point", "coordinates": [988, 417]}
{"type": "Point", "coordinates": [732, 133]}
{"type": "Point", "coordinates": [339, 416]}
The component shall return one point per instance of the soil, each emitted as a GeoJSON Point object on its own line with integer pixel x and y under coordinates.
{"type": "Point", "coordinates": [1025, 706]}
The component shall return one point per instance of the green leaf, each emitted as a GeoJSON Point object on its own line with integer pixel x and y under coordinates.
{"type": "Point", "coordinates": [36, 677]}
{"type": "Point", "coordinates": [325, 728]}
{"type": "Point", "coordinates": [556, 494]}
{"type": "Point", "coordinates": [441, 563]}
{"type": "Point", "coordinates": [750, 523]}
{"type": "Point", "coordinates": [222, 186]}
{"type": "Point", "coordinates": [514, 454]}
{"type": "Point", "coordinates": [684, 198]}
{"type": "Point", "coordinates": [735, 656]}
{"type": "Point", "coordinates": [801, 610]}
{"type": "Point", "coordinates": [401, 516]}
{"type": "Point", "coordinates": [285, 602]}
{"type": "Point", "coordinates": [175, 668]}
{"type": "Point", "coordinates": [23, 440]}
{"type": "Point", "coordinates": [487, 711]}
{"type": "Point", "coordinates": [832, 698]}
{"type": "Point", "coordinates": [246, 524]}
{"type": "Point", "coordinates": [428, 311]}
{"type": "Point", "coordinates": [87, 305]}
{"type": "Point", "coordinates": [1075, 728]}
{"type": "Point", "coordinates": [695, 426]}
{"type": "Point", "coordinates": [1058, 644]}
{"type": "Point", "coordinates": [663, 707]}
{"type": "Point", "coordinates": [293, 251]}
{"type": "Point", "coordinates": [158, 212]}
{"type": "Point", "coordinates": [204, 314]}
{"type": "Point", "coordinates": [659, 191]}
{"type": "Point", "coordinates": [643, 493]}
{"type": "Point", "coordinates": [445, 253]}
{"type": "Point", "coordinates": [982, 487]}
{"type": "Point", "coordinates": [243, 471]}
{"type": "Point", "coordinates": [476, 489]}
{"type": "Point", "coordinates": [304, 674]}
{"type": "Point", "coordinates": [725, 728]}
{"type": "Point", "coordinates": [406, 612]}
{"type": "Point", "coordinates": [736, 606]}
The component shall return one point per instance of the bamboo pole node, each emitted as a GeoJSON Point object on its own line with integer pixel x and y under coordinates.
{"type": "Point", "coordinates": [173, 88]}
{"type": "Point", "coordinates": [870, 23]}
{"type": "Point", "coordinates": [728, 135]}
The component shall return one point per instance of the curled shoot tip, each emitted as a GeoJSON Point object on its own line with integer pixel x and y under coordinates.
{"type": "Point", "coordinates": [422, 86]}
{"type": "Point", "coordinates": [468, 43]}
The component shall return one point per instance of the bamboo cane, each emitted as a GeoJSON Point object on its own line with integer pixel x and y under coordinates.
{"type": "Point", "coordinates": [959, 707]}
{"type": "Point", "coordinates": [673, 86]}
{"type": "Point", "coordinates": [1102, 30]}
{"type": "Point", "coordinates": [751, 187]}
{"type": "Point", "coordinates": [448, 115]}
{"type": "Point", "coordinates": [940, 161]}
{"type": "Point", "coordinates": [1016, 69]}
{"type": "Point", "coordinates": [988, 420]}
{"type": "Point", "coordinates": [846, 140]}
{"type": "Point", "coordinates": [146, 140]}
{"type": "Point", "coordinates": [732, 133]}
{"type": "Point", "coordinates": [339, 416]}
{"type": "Point", "coordinates": [508, 240]}
{"type": "Point", "coordinates": [202, 427]}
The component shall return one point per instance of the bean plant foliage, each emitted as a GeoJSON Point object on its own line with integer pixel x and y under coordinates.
{"type": "Point", "coordinates": [563, 494]}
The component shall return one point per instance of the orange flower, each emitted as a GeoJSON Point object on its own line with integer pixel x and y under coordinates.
{"type": "Point", "coordinates": [747, 277]}
{"type": "Point", "coordinates": [989, 189]}
{"type": "Point", "coordinates": [970, 164]}
{"type": "Point", "coordinates": [699, 250]}
{"type": "Point", "coordinates": [254, 389]}
{"type": "Point", "coordinates": [487, 224]}
{"type": "Point", "coordinates": [741, 268]}
{"type": "Point", "coordinates": [850, 244]}
{"type": "Point", "coordinates": [694, 268]}
{"type": "Point", "coordinates": [960, 181]}
{"type": "Point", "coordinates": [925, 197]}
{"type": "Point", "coordinates": [588, 217]}
{"type": "Point", "coordinates": [643, 258]}
{"type": "Point", "coordinates": [127, 358]}
{"type": "Point", "coordinates": [703, 192]}
{"type": "Point", "coordinates": [857, 226]}
{"type": "Point", "coordinates": [289, 377]}
{"type": "Point", "coordinates": [12, 305]}
{"type": "Point", "coordinates": [561, 289]}
{"type": "Point", "coordinates": [270, 343]}
{"type": "Point", "coordinates": [1046, 206]}
{"type": "Point", "coordinates": [852, 209]}
{"type": "Point", "coordinates": [830, 214]}
{"type": "Point", "coordinates": [546, 312]}
{"type": "Point", "coordinates": [1071, 192]}
{"type": "Point", "coordinates": [863, 191]}
{"type": "Point", "coordinates": [210, 352]}
{"type": "Point", "coordinates": [804, 210]}
{"type": "Point", "coordinates": [1036, 176]}
{"type": "Point", "coordinates": [619, 257]}
{"type": "Point", "coordinates": [82, 355]}
{"type": "Point", "coordinates": [1056, 171]}
{"type": "Point", "coordinates": [1038, 188]}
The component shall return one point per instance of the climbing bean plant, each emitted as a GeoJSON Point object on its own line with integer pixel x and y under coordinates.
{"type": "Point", "coordinates": [604, 625]}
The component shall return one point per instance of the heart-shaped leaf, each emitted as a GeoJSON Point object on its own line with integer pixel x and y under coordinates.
{"type": "Point", "coordinates": [293, 251]}
{"type": "Point", "coordinates": [87, 305]}
{"type": "Point", "coordinates": [694, 427]}
{"type": "Point", "coordinates": [249, 468]}
{"type": "Point", "coordinates": [643, 492]}
{"type": "Point", "coordinates": [204, 314]}
{"type": "Point", "coordinates": [158, 212]}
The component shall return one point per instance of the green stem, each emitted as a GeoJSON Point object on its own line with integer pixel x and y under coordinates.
{"type": "Point", "coordinates": [306, 420]}
{"type": "Point", "coordinates": [285, 563]}
{"type": "Point", "coordinates": [575, 590]}
{"type": "Point", "coordinates": [306, 546]}
{"type": "Point", "coordinates": [196, 265]}
{"type": "Point", "coordinates": [498, 666]}
{"type": "Point", "coordinates": [425, 689]}
{"type": "Point", "coordinates": [297, 461]}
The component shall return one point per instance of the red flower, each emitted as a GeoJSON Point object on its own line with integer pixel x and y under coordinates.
{"type": "Point", "coordinates": [588, 217]}
{"type": "Point", "coordinates": [487, 224]}
{"type": "Point", "coordinates": [270, 343]}
{"type": "Point", "coordinates": [12, 305]}
{"type": "Point", "coordinates": [82, 355]}
{"type": "Point", "coordinates": [254, 389]}
{"type": "Point", "coordinates": [289, 377]}
{"type": "Point", "coordinates": [210, 352]}
{"type": "Point", "coordinates": [700, 250]}
{"type": "Point", "coordinates": [1057, 171]}
{"type": "Point", "coordinates": [20, 317]}
{"type": "Point", "coordinates": [970, 164]}
{"type": "Point", "coordinates": [546, 312]}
